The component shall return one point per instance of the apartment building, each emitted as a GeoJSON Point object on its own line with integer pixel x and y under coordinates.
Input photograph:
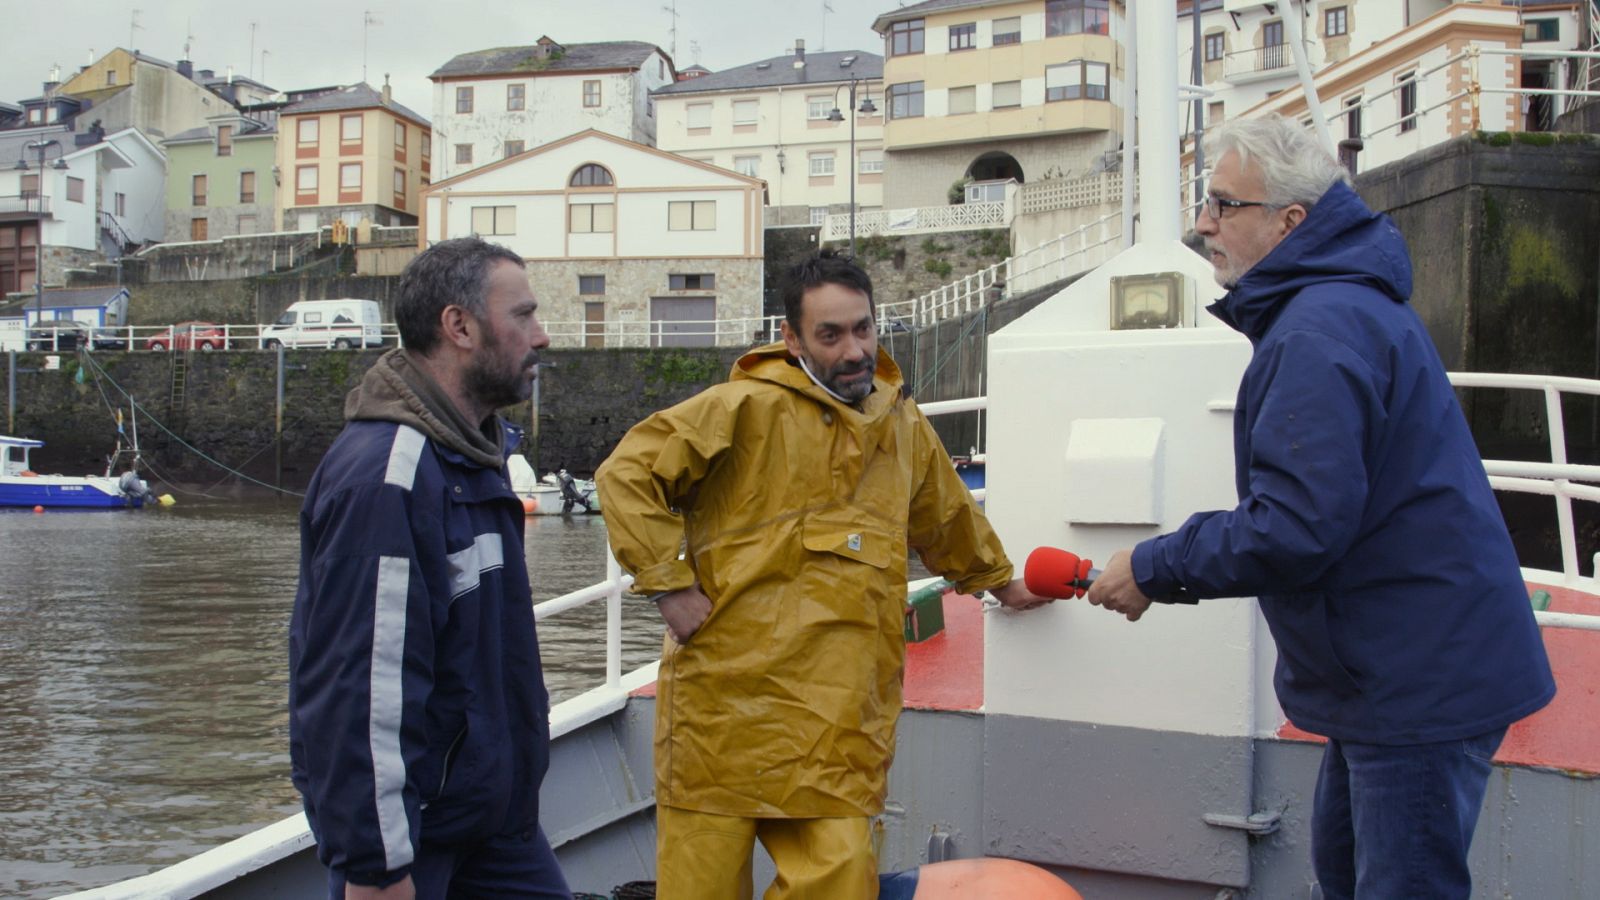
{"type": "Point", "coordinates": [492, 104]}
{"type": "Point", "coordinates": [349, 155]}
{"type": "Point", "coordinates": [626, 245]}
{"type": "Point", "coordinates": [787, 121]}
{"type": "Point", "coordinates": [989, 90]}
{"type": "Point", "coordinates": [220, 179]}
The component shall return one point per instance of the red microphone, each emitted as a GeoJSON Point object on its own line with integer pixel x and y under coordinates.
{"type": "Point", "coordinates": [1051, 572]}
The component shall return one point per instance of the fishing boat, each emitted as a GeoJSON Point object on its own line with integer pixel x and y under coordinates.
{"type": "Point", "coordinates": [20, 486]}
{"type": "Point", "coordinates": [556, 494]}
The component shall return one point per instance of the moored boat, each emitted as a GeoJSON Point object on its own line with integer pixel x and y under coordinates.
{"type": "Point", "coordinates": [20, 486]}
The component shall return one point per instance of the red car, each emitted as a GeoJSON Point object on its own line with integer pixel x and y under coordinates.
{"type": "Point", "coordinates": [189, 336]}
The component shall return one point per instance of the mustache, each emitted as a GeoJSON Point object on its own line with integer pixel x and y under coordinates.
{"type": "Point", "coordinates": [532, 359]}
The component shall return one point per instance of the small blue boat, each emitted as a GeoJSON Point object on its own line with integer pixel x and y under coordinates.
{"type": "Point", "coordinates": [21, 486]}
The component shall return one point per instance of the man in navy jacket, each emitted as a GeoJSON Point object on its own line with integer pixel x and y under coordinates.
{"type": "Point", "coordinates": [418, 717]}
{"type": "Point", "coordinates": [1365, 526]}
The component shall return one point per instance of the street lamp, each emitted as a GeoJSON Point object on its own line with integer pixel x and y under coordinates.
{"type": "Point", "coordinates": [38, 238]}
{"type": "Point", "coordinates": [866, 108]}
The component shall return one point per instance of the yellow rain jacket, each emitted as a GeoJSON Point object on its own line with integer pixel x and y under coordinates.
{"type": "Point", "coordinates": [794, 513]}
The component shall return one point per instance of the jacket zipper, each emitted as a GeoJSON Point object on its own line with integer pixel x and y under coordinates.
{"type": "Point", "coordinates": [448, 753]}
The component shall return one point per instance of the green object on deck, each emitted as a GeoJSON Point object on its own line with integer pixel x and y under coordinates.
{"type": "Point", "coordinates": [925, 611]}
{"type": "Point", "coordinates": [1540, 601]}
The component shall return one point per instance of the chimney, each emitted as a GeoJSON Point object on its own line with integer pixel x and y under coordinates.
{"type": "Point", "coordinates": [207, 74]}
{"type": "Point", "coordinates": [54, 83]}
{"type": "Point", "coordinates": [388, 96]}
{"type": "Point", "coordinates": [186, 69]}
{"type": "Point", "coordinates": [799, 53]}
{"type": "Point", "coordinates": [230, 75]}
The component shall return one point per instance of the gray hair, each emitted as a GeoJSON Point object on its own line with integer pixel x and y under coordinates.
{"type": "Point", "coordinates": [449, 272]}
{"type": "Point", "coordinates": [1294, 168]}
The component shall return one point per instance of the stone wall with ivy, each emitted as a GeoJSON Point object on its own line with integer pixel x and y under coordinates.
{"type": "Point", "coordinates": [904, 267]}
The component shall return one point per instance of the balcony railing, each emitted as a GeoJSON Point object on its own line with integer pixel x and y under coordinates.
{"type": "Point", "coordinates": [25, 203]}
{"type": "Point", "coordinates": [1260, 62]}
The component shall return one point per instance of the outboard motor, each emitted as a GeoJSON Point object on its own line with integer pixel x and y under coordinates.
{"type": "Point", "coordinates": [132, 486]}
{"type": "Point", "coordinates": [570, 495]}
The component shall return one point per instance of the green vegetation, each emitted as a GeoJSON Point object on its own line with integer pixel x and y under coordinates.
{"type": "Point", "coordinates": [937, 266]}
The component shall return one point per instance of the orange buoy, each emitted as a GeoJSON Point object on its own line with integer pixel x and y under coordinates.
{"type": "Point", "coordinates": [529, 505]}
{"type": "Point", "coordinates": [990, 879]}
{"type": "Point", "coordinates": [38, 509]}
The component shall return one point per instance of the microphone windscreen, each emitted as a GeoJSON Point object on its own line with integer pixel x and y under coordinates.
{"type": "Point", "coordinates": [1052, 572]}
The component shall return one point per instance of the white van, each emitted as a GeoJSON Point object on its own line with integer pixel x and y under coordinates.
{"type": "Point", "coordinates": [341, 323]}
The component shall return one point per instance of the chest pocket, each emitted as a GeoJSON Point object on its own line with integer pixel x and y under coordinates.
{"type": "Point", "coordinates": [848, 536]}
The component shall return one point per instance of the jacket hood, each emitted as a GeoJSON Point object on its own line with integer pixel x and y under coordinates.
{"type": "Point", "coordinates": [772, 363]}
{"type": "Point", "coordinates": [395, 390]}
{"type": "Point", "coordinates": [1340, 240]}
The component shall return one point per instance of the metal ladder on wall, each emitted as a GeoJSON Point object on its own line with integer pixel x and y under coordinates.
{"type": "Point", "coordinates": [180, 379]}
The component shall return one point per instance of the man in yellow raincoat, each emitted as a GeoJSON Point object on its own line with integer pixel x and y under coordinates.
{"type": "Point", "coordinates": [792, 494]}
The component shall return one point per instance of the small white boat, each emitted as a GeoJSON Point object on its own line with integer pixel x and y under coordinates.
{"type": "Point", "coordinates": [20, 486]}
{"type": "Point", "coordinates": [557, 494]}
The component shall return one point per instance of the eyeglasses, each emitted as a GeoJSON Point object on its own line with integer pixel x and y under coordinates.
{"type": "Point", "coordinates": [1214, 205]}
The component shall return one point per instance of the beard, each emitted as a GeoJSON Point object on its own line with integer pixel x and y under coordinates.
{"type": "Point", "coordinates": [1225, 271]}
{"type": "Point", "coordinates": [833, 377]}
{"type": "Point", "coordinates": [499, 387]}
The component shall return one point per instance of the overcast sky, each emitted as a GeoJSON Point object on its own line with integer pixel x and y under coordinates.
{"type": "Point", "coordinates": [310, 43]}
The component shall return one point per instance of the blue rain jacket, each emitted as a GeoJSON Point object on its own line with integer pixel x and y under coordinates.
{"type": "Point", "coordinates": [1365, 526]}
{"type": "Point", "coordinates": [417, 707]}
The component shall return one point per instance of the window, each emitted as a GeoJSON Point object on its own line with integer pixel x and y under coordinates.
{"type": "Point", "coordinates": [819, 215]}
{"type": "Point", "coordinates": [1352, 117]}
{"type": "Point", "coordinates": [595, 218]}
{"type": "Point", "coordinates": [591, 93]}
{"type": "Point", "coordinates": [1336, 21]}
{"type": "Point", "coordinates": [870, 162]}
{"type": "Point", "coordinates": [964, 37]}
{"type": "Point", "coordinates": [1408, 101]}
{"type": "Point", "coordinates": [400, 187]}
{"type": "Point", "coordinates": [1006, 94]}
{"type": "Point", "coordinates": [247, 187]}
{"type": "Point", "coordinates": [591, 284]}
{"type": "Point", "coordinates": [1008, 31]}
{"type": "Point", "coordinates": [1541, 30]}
{"type": "Point", "coordinates": [1214, 112]}
{"type": "Point", "coordinates": [305, 180]}
{"type": "Point", "coordinates": [121, 204]}
{"type": "Point", "coordinates": [224, 140]}
{"type": "Point", "coordinates": [1214, 46]}
{"type": "Point", "coordinates": [516, 96]}
{"type": "Point", "coordinates": [691, 215]}
{"type": "Point", "coordinates": [349, 177]}
{"type": "Point", "coordinates": [702, 282]}
{"type": "Point", "coordinates": [661, 68]}
{"type": "Point", "coordinates": [1274, 53]}
{"type": "Point", "coordinates": [513, 148]}
{"type": "Point", "coordinates": [198, 190]}
{"type": "Point", "coordinates": [492, 220]}
{"type": "Point", "coordinates": [111, 78]}
{"type": "Point", "coordinates": [1076, 17]}
{"type": "Point", "coordinates": [306, 134]}
{"type": "Point", "coordinates": [591, 175]}
{"type": "Point", "coordinates": [30, 186]}
{"type": "Point", "coordinates": [74, 189]}
{"type": "Point", "coordinates": [349, 129]}
{"type": "Point", "coordinates": [963, 100]}
{"type": "Point", "coordinates": [820, 165]}
{"type": "Point", "coordinates": [399, 140]}
{"type": "Point", "coordinates": [747, 165]}
{"type": "Point", "coordinates": [1076, 80]}
{"type": "Point", "coordinates": [818, 107]}
{"type": "Point", "coordinates": [427, 145]}
{"type": "Point", "coordinates": [463, 154]}
{"type": "Point", "coordinates": [594, 325]}
{"type": "Point", "coordinates": [745, 112]}
{"type": "Point", "coordinates": [905, 38]}
{"type": "Point", "coordinates": [699, 115]}
{"type": "Point", "coordinates": [905, 100]}
{"type": "Point", "coordinates": [463, 99]}
{"type": "Point", "coordinates": [199, 229]}
{"type": "Point", "coordinates": [1272, 33]}
{"type": "Point", "coordinates": [247, 224]}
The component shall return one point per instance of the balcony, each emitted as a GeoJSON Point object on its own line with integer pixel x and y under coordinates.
{"type": "Point", "coordinates": [24, 207]}
{"type": "Point", "coordinates": [1259, 64]}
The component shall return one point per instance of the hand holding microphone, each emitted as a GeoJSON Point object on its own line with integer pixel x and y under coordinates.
{"type": "Point", "coordinates": [1051, 572]}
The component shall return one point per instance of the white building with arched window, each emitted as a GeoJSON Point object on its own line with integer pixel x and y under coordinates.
{"type": "Point", "coordinates": [626, 245]}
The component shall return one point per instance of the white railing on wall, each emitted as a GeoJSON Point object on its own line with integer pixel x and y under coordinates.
{"type": "Point", "coordinates": [1064, 193]}
{"type": "Point", "coordinates": [920, 220]}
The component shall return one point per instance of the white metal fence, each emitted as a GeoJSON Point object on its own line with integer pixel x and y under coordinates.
{"type": "Point", "coordinates": [920, 220]}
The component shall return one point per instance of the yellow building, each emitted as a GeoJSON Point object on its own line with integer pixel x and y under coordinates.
{"type": "Point", "coordinates": [349, 155]}
{"type": "Point", "coordinates": [989, 90]}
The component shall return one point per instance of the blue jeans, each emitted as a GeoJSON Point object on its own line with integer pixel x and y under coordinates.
{"type": "Point", "coordinates": [1397, 821]}
{"type": "Point", "coordinates": [519, 864]}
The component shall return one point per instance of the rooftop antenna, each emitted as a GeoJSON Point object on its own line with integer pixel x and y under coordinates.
{"type": "Point", "coordinates": [188, 37]}
{"type": "Point", "coordinates": [826, 8]}
{"type": "Point", "coordinates": [264, 53]}
{"type": "Point", "coordinates": [367, 21]}
{"type": "Point", "coordinates": [671, 9]}
{"type": "Point", "coordinates": [252, 56]}
{"type": "Point", "coordinates": [694, 51]}
{"type": "Point", "coordinates": [133, 25]}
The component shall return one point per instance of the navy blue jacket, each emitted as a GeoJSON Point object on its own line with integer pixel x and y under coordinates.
{"type": "Point", "coordinates": [417, 707]}
{"type": "Point", "coordinates": [1365, 524]}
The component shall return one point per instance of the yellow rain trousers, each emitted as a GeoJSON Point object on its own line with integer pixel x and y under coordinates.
{"type": "Point", "coordinates": [794, 513]}
{"type": "Point", "coordinates": [702, 856]}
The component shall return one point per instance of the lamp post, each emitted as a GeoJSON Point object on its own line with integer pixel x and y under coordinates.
{"type": "Point", "coordinates": [38, 238]}
{"type": "Point", "coordinates": [834, 115]}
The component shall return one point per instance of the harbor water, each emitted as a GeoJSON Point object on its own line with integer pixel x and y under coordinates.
{"type": "Point", "coordinates": [143, 678]}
